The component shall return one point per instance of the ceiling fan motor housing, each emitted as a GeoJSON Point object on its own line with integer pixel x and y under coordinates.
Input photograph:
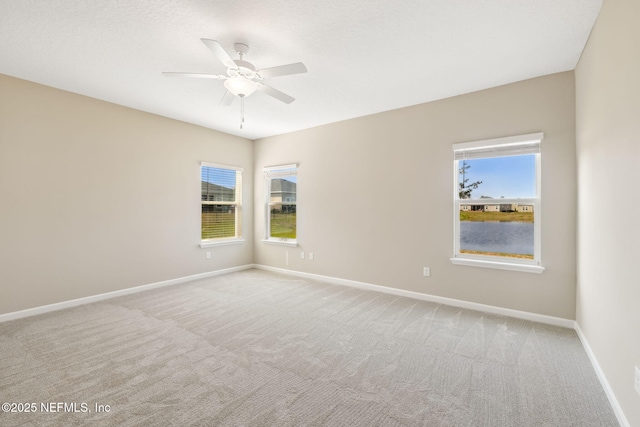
{"type": "Point", "coordinates": [243, 69]}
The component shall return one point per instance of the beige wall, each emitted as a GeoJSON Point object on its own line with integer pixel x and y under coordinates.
{"type": "Point", "coordinates": [95, 197]}
{"type": "Point", "coordinates": [608, 153]}
{"type": "Point", "coordinates": [375, 195]}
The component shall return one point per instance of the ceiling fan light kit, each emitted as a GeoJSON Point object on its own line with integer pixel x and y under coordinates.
{"type": "Point", "coordinates": [240, 86]}
{"type": "Point", "coordinates": [242, 78]}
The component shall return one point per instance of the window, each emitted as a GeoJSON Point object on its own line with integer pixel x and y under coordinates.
{"type": "Point", "coordinates": [280, 207]}
{"type": "Point", "coordinates": [497, 203]}
{"type": "Point", "coordinates": [221, 200]}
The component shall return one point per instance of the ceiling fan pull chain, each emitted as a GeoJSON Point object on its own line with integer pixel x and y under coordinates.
{"type": "Point", "coordinates": [241, 111]}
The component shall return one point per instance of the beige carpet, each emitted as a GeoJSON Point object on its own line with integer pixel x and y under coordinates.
{"type": "Point", "coordinates": [256, 348]}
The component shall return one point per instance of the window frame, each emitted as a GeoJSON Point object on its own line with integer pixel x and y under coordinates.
{"type": "Point", "coordinates": [270, 173]}
{"type": "Point", "coordinates": [500, 147]}
{"type": "Point", "coordinates": [237, 203]}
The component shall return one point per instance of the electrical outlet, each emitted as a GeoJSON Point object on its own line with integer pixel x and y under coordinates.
{"type": "Point", "coordinates": [208, 255]}
{"type": "Point", "coordinates": [301, 255]}
{"type": "Point", "coordinates": [426, 271]}
{"type": "Point", "coordinates": [310, 256]}
{"type": "Point", "coordinates": [637, 380]}
{"type": "Point", "coordinates": [286, 257]}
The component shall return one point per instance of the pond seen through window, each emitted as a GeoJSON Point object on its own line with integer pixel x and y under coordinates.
{"type": "Point", "coordinates": [493, 218]}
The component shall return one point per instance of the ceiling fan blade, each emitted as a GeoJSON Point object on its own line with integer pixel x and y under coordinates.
{"type": "Point", "coordinates": [227, 99]}
{"type": "Point", "coordinates": [283, 70]}
{"type": "Point", "coordinates": [197, 75]}
{"type": "Point", "coordinates": [219, 52]}
{"type": "Point", "coordinates": [280, 96]}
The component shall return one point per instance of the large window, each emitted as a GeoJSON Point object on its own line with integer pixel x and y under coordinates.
{"type": "Point", "coordinates": [497, 203]}
{"type": "Point", "coordinates": [221, 200]}
{"type": "Point", "coordinates": [281, 204]}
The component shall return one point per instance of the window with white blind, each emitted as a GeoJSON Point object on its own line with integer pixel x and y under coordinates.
{"type": "Point", "coordinates": [221, 200]}
{"type": "Point", "coordinates": [281, 204]}
{"type": "Point", "coordinates": [497, 203]}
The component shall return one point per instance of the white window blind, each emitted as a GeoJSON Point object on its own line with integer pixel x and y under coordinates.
{"type": "Point", "coordinates": [280, 171]}
{"type": "Point", "coordinates": [499, 147]}
{"type": "Point", "coordinates": [221, 201]}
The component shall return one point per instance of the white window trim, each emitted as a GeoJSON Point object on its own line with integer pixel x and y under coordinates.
{"type": "Point", "coordinates": [487, 261]}
{"type": "Point", "coordinates": [268, 173]}
{"type": "Point", "coordinates": [282, 242]}
{"type": "Point", "coordinates": [497, 265]}
{"type": "Point", "coordinates": [222, 241]}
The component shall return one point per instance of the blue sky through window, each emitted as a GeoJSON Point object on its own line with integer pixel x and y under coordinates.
{"type": "Point", "coordinates": [509, 177]}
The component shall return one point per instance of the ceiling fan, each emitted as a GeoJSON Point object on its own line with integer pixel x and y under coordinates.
{"type": "Point", "coordinates": [242, 78]}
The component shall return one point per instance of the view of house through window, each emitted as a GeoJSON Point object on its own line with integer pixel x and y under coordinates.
{"type": "Point", "coordinates": [497, 199]}
{"type": "Point", "coordinates": [221, 199]}
{"type": "Point", "coordinates": [281, 215]}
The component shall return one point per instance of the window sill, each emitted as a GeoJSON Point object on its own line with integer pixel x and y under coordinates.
{"type": "Point", "coordinates": [293, 244]}
{"type": "Point", "coordinates": [498, 265]}
{"type": "Point", "coordinates": [221, 242]}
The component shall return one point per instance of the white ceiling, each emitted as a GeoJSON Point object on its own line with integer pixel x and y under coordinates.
{"type": "Point", "coordinates": [362, 56]}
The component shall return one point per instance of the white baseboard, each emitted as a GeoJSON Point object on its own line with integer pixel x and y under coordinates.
{"type": "Point", "coordinates": [540, 318]}
{"type": "Point", "coordinates": [617, 409]}
{"type": "Point", "coordinates": [557, 321]}
{"type": "Point", "coordinates": [94, 298]}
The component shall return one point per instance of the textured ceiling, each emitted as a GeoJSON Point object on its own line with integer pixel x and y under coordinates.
{"type": "Point", "coordinates": [363, 56]}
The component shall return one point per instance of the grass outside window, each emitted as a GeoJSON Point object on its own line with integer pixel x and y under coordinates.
{"type": "Point", "coordinates": [283, 225]}
{"type": "Point", "coordinates": [218, 225]}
